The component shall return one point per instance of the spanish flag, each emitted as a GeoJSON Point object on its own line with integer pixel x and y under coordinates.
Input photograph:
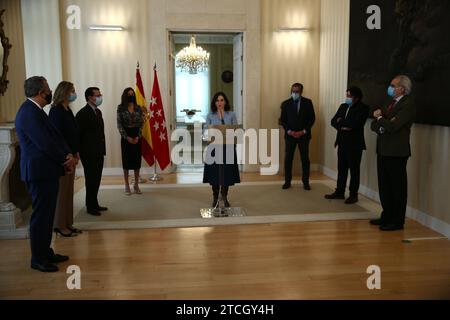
{"type": "Point", "coordinates": [147, 144]}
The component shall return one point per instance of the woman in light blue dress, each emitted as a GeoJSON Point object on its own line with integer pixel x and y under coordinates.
{"type": "Point", "coordinates": [221, 176]}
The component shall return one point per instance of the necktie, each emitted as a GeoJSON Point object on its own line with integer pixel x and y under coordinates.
{"type": "Point", "coordinates": [99, 118]}
{"type": "Point", "coordinates": [102, 129]}
{"type": "Point", "coordinates": [391, 106]}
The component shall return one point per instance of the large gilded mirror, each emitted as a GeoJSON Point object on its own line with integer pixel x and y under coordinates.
{"type": "Point", "coordinates": [4, 53]}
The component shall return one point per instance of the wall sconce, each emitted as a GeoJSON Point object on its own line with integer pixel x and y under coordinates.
{"type": "Point", "coordinates": [106, 28]}
{"type": "Point", "coordinates": [285, 29]}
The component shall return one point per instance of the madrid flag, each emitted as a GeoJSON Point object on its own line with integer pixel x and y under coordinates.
{"type": "Point", "coordinates": [146, 145]}
{"type": "Point", "coordinates": [158, 127]}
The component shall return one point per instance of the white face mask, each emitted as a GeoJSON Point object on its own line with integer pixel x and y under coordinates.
{"type": "Point", "coordinates": [295, 96]}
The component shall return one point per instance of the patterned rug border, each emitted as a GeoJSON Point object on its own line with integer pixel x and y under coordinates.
{"type": "Point", "coordinates": [365, 203]}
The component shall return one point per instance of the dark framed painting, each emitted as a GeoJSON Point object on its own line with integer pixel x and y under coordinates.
{"type": "Point", "coordinates": [411, 37]}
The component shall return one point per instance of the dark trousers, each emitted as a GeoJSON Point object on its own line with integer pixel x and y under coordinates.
{"type": "Point", "coordinates": [348, 160]}
{"type": "Point", "coordinates": [393, 188]}
{"type": "Point", "coordinates": [303, 146]}
{"type": "Point", "coordinates": [93, 168]}
{"type": "Point", "coordinates": [44, 195]}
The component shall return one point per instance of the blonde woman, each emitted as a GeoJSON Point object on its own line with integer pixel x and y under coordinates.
{"type": "Point", "coordinates": [61, 116]}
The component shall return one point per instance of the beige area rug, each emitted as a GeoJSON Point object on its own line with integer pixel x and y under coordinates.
{"type": "Point", "coordinates": [179, 206]}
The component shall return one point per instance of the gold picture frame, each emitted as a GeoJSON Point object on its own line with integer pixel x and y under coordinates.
{"type": "Point", "coordinates": [5, 51]}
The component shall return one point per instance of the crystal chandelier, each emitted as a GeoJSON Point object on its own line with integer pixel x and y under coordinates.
{"type": "Point", "coordinates": [192, 59]}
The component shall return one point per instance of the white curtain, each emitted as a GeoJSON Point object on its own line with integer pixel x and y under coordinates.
{"type": "Point", "coordinates": [192, 92]}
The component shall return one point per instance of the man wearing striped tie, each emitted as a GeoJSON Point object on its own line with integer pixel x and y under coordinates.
{"type": "Point", "coordinates": [393, 124]}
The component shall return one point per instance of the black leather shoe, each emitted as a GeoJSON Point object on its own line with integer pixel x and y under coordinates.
{"type": "Point", "coordinates": [57, 258]}
{"type": "Point", "coordinates": [94, 212]}
{"type": "Point", "coordinates": [307, 187]}
{"type": "Point", "coordinates": [286, 186]}
{"type": "Point", "coordinates": [334, 195]}
{"type": "Point", "coordinates": [376, 222]}
{"type": "Point", "coordinates": [102, 209]}
{"type": "Point", "coordinates": [44, 267]}
{"type": "Point", "coordinates": [351, 200]}
{"type": "Point", "coordinates": [391, 227]}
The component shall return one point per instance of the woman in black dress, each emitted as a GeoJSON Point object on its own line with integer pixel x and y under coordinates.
{"type": "Point", "coordinates": [221, 176]}
{"type": "Point", "coordinates": [130, 121]}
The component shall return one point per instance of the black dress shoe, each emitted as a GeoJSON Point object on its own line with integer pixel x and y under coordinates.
{"type": "Point", "coordinates": [286, 185]}
{"type": "Point", "coordinates": [102, 209]}
{"type": "Point", "coordinates": [307, 187]}
{"type": "Point", "coordinates": [334, 195]}
{"type": "Point", "coordinates": [351, 200]}
{"type": "Point", "coordinates": [57, 258]}
{"type": "Point", "coordinates": [376, 222]}
{"type": "Point", "coordinates": [391, 227]}
{"type": "Point", "coordinates": [94, 212]}
{"type": "Point", "coordinates": [44, 267]}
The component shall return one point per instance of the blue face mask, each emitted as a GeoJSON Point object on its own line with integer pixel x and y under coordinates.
{"type": "Point", "coordinates": [391, 92]}
{"type": "Point", "coordinates": [98, 101]}
{"type": "Point", "coordinates": [349, 101]}
{"type": "Point", "coordinates": [72, 97]}
{"type": "Point", "coordinates": [295, 96]}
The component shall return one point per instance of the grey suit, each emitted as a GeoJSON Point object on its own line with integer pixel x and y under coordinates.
{"type": "Point", "coordinates": [394, 130]}
{"type": "Point", "coordinates": [393, 149]}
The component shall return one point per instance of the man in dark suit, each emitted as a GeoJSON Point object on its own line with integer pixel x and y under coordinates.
{"type": "Point", "coordinates": [393, 124]}
{"type": "Point", "coordinates": [45, 157]}
{"type": "Point", "coordinates": [92, 147]}
{"type": "Point", "coordinates": [297, 119]}
{"type": "Point", "coordinates": [349, 122]}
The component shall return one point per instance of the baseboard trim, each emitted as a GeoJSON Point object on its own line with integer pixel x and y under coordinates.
{"type": "Point", "coordinates": [412, 213]}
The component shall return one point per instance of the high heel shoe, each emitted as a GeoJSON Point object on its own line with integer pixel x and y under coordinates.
{"type": "Point", "coordinates": [66, 235]}
{"type": "Point", "coordinates": [127, 191]}
{"type": "Point", "coordinates": [75, 230]}
{"type": "Point", "coordinates": [137, 190]}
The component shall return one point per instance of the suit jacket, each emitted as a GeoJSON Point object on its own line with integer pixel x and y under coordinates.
{"type": "Point", "coordinates": [394, 129]}
{"type": "Point", "coordinates": [43, 149]}
{"type": "Point", "coordinates": [65, 122]}
{"type": "Point", "coordinates": [303, 120]}
{"type": "Point", "coordinates": [92, 133]}
{"type": "Point", "coordinates": [355, 121]}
